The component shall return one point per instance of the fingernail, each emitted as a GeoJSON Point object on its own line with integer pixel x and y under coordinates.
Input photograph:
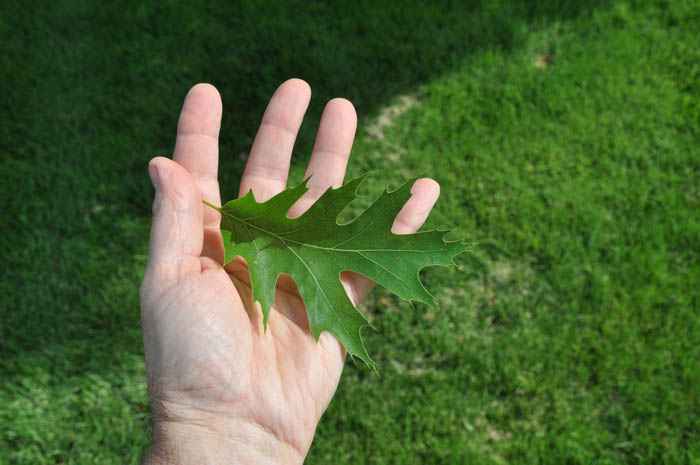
{"type": "Point", "coordinates": [153, 171]}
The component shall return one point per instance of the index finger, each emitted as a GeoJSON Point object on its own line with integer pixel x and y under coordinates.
{"type": "Point", "coordinates": [197, 150]}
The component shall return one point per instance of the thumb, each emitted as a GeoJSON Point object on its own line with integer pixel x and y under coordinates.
{"type": "Point", "coordinates": [177, 230]}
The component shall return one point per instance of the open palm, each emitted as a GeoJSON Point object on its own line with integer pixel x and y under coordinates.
{"type": "Point", "coordinates": [221, 386]}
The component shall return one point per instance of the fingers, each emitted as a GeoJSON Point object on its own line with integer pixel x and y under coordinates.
{"type": "Point", "coordinates": [197, 144]}
{"type": "Point", "coordinates": [268, 165]}
{"type": "Point", "coordinates": [197, 150]}
{"type": "Point", "coordinates": [176, 233]}
{"type": "Point", "coordinates": [329, 158]}
{"type": "Point", "coordinates": [424, 194]}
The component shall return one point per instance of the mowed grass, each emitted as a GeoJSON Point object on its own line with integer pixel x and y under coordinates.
{"type": "Point", "coordinates": [565, 137]}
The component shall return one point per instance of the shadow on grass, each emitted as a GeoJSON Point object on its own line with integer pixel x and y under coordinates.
{"type": "Point", "coordinates": [94, 93]}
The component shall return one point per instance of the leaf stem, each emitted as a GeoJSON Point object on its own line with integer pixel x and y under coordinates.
{"type": "Point", "coordinates": [212, 206]}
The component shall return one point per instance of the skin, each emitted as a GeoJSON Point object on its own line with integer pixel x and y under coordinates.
{"type": "Point", "coordinates": [222, 389]}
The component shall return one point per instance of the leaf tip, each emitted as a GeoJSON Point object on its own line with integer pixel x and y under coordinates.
{"type": "Point", "coordinates": [357, 182]}
{"type": "Point", "coordinates": [366, 359]}
{"type": "Point", "coordinates": [266, 317]}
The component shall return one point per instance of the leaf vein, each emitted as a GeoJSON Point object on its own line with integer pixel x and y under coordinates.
{"type": "Point", "coordinates": [319, 287]}
{"type": "Point", "coordinates": [384, 268]}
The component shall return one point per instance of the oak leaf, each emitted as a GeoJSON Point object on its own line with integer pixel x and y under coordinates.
{"type": "Point", "coordinates": [313, 249]}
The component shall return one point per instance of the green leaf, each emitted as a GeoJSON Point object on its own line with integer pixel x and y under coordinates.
{"type": "Point", "coordinates": [313, 249]}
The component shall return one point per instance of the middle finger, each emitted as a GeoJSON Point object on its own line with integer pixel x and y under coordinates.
{"type": "Point", "coordinates": [268, 164]}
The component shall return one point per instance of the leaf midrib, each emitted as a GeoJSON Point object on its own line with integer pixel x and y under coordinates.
{"type": "Point", "coordinates": [308, 244]}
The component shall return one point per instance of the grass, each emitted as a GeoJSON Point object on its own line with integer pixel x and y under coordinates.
{"type": "Point", "coordinates": [565, 136]}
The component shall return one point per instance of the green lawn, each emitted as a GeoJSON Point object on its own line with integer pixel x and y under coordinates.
{"type": "Point", "coordinates": [565, 136]}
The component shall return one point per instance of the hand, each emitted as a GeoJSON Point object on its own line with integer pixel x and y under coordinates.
{"type": "Point", "coordinates": [222, 389]}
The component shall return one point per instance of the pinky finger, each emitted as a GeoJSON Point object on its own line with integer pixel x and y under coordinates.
{"type": "Point", "coordinates": [424, 194]}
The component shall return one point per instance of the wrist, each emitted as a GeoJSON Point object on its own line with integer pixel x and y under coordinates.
{"type": "Point", "coordinates": [239, 442]}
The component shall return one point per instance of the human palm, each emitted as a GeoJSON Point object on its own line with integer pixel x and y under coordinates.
{"type": "Point", "coordinates": [215, 374]}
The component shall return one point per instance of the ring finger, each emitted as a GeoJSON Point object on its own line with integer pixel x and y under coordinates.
{"type": "Point", "coordinates": [330, 154]}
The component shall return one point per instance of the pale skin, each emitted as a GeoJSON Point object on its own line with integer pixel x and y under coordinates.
{"type": "Point", "coordinates": [224, 390]}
